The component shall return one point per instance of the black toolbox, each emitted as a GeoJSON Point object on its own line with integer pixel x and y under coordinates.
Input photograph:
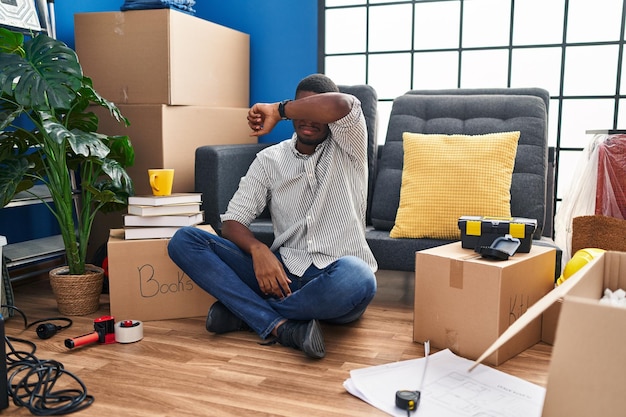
{"type": "Point", "coordinates": [478, 231]}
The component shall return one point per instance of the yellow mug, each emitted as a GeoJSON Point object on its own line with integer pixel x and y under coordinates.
{"type": "Point", "coordinates": [161, 181]}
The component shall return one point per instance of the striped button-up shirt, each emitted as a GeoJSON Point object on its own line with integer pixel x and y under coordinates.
{"type": "Point", "coordinates": [317, 202]}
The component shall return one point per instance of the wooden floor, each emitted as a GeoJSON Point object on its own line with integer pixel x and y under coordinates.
{"type": "Point", "coordinates": [180, 370]}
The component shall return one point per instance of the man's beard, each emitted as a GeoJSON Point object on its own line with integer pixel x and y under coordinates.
{"type": "Point", "coordinates": [311, 142]}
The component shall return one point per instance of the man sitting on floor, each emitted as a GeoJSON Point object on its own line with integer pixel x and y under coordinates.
{"type": "Point", "coordinates": [319, 267]}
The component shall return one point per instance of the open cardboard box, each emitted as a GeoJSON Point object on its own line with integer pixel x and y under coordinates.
{"type": "Point", "coordinates": [587, 371]}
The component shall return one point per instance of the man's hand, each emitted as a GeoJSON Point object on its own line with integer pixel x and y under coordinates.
{"type": "Point", "coordinates": [262, 118]}
{"type": "Point", "coordinates": [269, 272]}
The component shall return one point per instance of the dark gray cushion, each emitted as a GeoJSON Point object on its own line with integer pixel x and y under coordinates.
{"type": "Point", "coordinates": [471, 114]}
{"type": "Point", "coordinates": [397, 254]}
{"type": "Point", "coordinates": [218, 170]}
{"type": "Point", "coordinates": [459, 111]}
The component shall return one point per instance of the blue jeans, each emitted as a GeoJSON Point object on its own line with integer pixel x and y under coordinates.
{"type": "Point", "coordinates": [339, 293]}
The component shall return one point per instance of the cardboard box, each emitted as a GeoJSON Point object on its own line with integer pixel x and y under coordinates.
{"type": "Point", "coordinates": [163, 56]}
{"type": "Point", "coordinates": [587, 371]}
{"type": "Point", "coordinates": [168, 136]}
{"type": "Point", "coordinates": [464, 302]}
{"type": "Point", "coordinates": [549, 322]}
{"type": "Point", "coordinates": [144, 283]}
{"type": "Point", "coordinates": [477, 231]}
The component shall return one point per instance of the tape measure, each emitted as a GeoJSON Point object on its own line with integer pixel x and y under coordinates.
{"type": "Point", "coordinates": [407, 400]}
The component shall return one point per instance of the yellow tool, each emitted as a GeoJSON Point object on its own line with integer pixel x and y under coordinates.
{"type": "Point", "coordinates": [581, 258]}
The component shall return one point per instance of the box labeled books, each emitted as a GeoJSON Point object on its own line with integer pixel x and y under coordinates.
{"type": "Point", "coordinates": [145, 284]}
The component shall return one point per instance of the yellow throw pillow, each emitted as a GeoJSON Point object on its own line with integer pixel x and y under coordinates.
{"type": "Point", "coordinates": [449, 176]}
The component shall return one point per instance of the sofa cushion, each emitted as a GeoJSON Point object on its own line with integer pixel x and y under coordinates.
{"type": "Point", "coordinates": [449, 176]}
{"type": "Point", "coordinates": [468, 114]}
{"type": "Point", "coordinates": [397, 254]}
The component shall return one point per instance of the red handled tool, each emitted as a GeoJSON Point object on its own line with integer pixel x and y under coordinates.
{"type": "Point", "coordinates": [104, 333]}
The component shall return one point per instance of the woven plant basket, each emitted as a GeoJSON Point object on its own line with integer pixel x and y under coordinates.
{"type": "Point", "coordinates": [77, 295]}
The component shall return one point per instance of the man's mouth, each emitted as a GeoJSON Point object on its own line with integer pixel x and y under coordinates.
{"type": "Point", "coordinates": [308, 129]}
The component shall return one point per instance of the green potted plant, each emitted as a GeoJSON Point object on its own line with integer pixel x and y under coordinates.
{"type": "Point", "coordinates": [49, 133]}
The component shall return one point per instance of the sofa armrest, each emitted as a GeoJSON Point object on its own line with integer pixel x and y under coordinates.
{"type": "Point", "coordinates": [218, 170]}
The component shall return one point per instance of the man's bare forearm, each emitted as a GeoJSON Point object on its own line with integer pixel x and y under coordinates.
{"type": "Point", "coordinates": [322, 108]}
{"type": "Point", "coordinates": [241, 236]}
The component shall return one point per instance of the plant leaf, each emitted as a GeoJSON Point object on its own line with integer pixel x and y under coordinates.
{"type": "Point", "coordinates": [82, 143]}
{"type": "Point", "coordinates": [46, 77]}
{"type": "Point", "coordinates": [11, 42]}
{"type": "Point", "coordinates": [11, 173]}
{"type": "Point", "coordinates": [121, 150]}
{"type": "Point", "coordinates": [88, 144]}
{"type": "Point", "coordinates": [8, 114]}
{"type": "Point", "coordinates": [119, 177]}
{"type": "Point", "coordinates": [91, 96]}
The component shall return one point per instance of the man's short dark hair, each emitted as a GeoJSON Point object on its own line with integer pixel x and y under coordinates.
{"type": "Point", "coordinates": [317, 83]}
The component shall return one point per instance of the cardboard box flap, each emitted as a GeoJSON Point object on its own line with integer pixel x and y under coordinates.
{"type": "Point", "coordinates": [586, 375]}
{"type": "Point", "coordinates": [119, 233]}
{"type": "Point", "coordinates": [614, 267]}
{"type": "Point", "coordinates": [570, 286]}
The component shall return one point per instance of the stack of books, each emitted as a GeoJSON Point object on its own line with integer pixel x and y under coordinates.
{"type": "Point", "coordinates": [154, 217]}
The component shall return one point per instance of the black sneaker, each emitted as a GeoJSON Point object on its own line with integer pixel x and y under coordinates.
{"type": "Point", "coordinates": [221, 320]}
{"type": "Point", "coordinates": [303, 335]}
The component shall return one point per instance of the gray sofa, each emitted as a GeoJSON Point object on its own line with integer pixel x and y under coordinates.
{"type": "Point", "coordinates": [456, 111]}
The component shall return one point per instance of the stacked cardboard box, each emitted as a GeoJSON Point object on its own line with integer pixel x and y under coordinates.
{"type": "Point", "coordinates": [182, 82]}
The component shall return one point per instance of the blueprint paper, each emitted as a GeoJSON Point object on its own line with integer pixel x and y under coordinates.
{"type": "Point", "coordinates": [449, 389]}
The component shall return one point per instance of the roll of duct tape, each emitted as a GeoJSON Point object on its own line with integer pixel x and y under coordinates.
{"type": "Point", "coordinates": [128, 331]}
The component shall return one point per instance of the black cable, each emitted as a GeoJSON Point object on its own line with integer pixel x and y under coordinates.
{"type": "Point", "coordinates": [31, 381]}
{"type": "Point", "coordinates": [19, 311]}
{"type": "Point", "coordinates": [31, 385]}
{"type": "Point", "coordinates": [28, 325]}
{"type": "Point", "coordinates": [46, 329]}
{"type": "Point", "coordinates": [65, 319]}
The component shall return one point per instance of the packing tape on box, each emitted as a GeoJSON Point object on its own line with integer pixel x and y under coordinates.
{"type": "Point", "coordinates": [128, 331]}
